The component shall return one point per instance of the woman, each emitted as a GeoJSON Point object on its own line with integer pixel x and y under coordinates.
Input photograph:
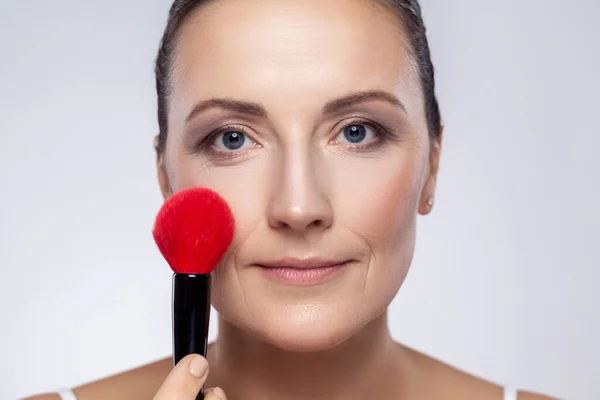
{"type": "Point", "coordinates": [318, 123]}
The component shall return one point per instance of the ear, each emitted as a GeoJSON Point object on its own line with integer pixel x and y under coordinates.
{"type": "Point", "coordinates": [163, 178]}
{"type": "Point", "coordinates": [428, 192]}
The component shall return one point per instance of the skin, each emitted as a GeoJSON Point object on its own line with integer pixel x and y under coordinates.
{"type": "Point", "coordinates": [299, 188]}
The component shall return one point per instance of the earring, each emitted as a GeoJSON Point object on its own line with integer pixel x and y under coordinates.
{"type": "Point", "coordinates": [430, 202]}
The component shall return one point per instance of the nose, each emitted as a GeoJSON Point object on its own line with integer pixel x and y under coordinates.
{"type": "Point", "coordinates": [299, 202]}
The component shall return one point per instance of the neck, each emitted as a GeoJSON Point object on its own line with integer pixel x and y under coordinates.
{"type": "Point", "coordinates": [368, 365]}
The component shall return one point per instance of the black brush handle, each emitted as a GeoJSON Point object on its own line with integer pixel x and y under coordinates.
{"type": "Point", "coordinates": [191, 316]}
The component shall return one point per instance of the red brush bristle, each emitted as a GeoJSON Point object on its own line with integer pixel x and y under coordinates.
{"type": "Point", "coordinates": [193, 230]}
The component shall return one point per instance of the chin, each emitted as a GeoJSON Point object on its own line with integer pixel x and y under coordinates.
{"type": "Point", "coordinates": [306, 328]}
{"type": "Point", "coordinates": [306, 339]}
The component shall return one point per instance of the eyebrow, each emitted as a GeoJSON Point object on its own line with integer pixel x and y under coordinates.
{"type": "Point", "coordinates": [258, 110]}
{"type": "Point", "coordinates": [358, 97]}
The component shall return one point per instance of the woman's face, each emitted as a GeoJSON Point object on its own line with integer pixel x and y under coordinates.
{"type": "Point", "coordinates": [309, 120]}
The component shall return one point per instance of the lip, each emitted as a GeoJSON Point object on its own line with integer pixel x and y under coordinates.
{"type": "Point", "coordinates": [307, 271]}
{"type": "Point", "coordinates": [302, 263]}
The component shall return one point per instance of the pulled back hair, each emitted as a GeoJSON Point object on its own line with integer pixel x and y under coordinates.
{"type": "Point", "coordinates": [409, 12]}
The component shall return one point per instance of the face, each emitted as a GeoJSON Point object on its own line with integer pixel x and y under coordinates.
{"type": "Point", "coordinates": [310, 122]}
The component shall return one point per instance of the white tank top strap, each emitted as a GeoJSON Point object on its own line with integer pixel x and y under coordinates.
{"type": "Point", "coordinates": [66, 394]}
{"type": "Point", "coordinates": [510, 393]}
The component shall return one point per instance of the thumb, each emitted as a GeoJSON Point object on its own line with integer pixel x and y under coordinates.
{"type": "Point", "coordinates": [185, 380]}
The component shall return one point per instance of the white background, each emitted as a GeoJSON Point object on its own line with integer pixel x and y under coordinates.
{"type": "Point", "coordinates": [504, 281]}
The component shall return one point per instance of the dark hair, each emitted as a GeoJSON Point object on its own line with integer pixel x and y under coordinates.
{"type": "Point", "coordinates": [408, 10]}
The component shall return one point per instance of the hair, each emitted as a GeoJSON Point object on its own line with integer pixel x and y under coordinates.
{"type": "Point", "coordinates": [409, 12]}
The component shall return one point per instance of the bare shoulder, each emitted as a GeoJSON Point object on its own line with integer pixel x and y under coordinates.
{"type": "Point", "coordinates": [435, 380]}
{"type": "Point", "coordinates": [442, 381]}
{"type": "Point", "coordinates": [534, 396]}
{"type": "Point", "coordinates": [138, 383]}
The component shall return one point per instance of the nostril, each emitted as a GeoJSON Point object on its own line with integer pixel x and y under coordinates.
{"type": "Point", "coordinates": [319, 223]}
{"type": "Point", "coordinates": [282, 225]}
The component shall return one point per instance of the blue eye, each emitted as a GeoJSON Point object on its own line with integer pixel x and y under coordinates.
{"type": "Point", "coordinates": [356, 134]}
{"type": "Point", "coordinates": [233, 140]}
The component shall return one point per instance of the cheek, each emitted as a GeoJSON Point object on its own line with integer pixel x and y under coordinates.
{"type": "Point", "coordinates": [378, 202]}
{"type": "Point", "coordinates": [378, 199]}
{"type": "Point", "coordinates": [245, 189]}
{"type": "Point", "coordinates": [243, 186]}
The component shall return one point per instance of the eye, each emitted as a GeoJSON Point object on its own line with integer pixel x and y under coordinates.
{"type": "Point", "coordinates": [357, 133]}
{"type": "Point", "coordinates": [233, 141]}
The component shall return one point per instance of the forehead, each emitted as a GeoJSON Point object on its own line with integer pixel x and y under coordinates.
{"type": "Point", "coordinates": [298, 51]}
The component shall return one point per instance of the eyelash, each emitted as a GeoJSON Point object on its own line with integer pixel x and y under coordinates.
{"type": "Point", "coordinates": [382, 134]}
{"type": "Point", "coordinates": [206, 143]}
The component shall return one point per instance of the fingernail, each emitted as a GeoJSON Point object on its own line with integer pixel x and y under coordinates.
{"type": "Point", "coordinates": [217, 392]}
{"type": "Point", "coordinates": [198, 366]}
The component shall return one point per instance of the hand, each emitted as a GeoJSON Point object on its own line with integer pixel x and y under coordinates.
{"type": "Point", "coordinates": [186, 379]}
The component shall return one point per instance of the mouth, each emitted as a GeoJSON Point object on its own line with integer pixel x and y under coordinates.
{"type": "Point", "coordinates": [309, 271]}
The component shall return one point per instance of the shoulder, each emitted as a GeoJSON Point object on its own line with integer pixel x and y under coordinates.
{"type": "Point", "coordinates": [435, 379]}
{"type": "Point", "coordinates": [442, 381]}
{"type": "Point", "coordinates": [138, 383]}
{"type": "Point", "coordinates": [534, 396]}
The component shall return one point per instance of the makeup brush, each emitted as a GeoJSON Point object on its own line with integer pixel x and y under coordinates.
{"type": "Point", "coordinates": [193, 230]}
